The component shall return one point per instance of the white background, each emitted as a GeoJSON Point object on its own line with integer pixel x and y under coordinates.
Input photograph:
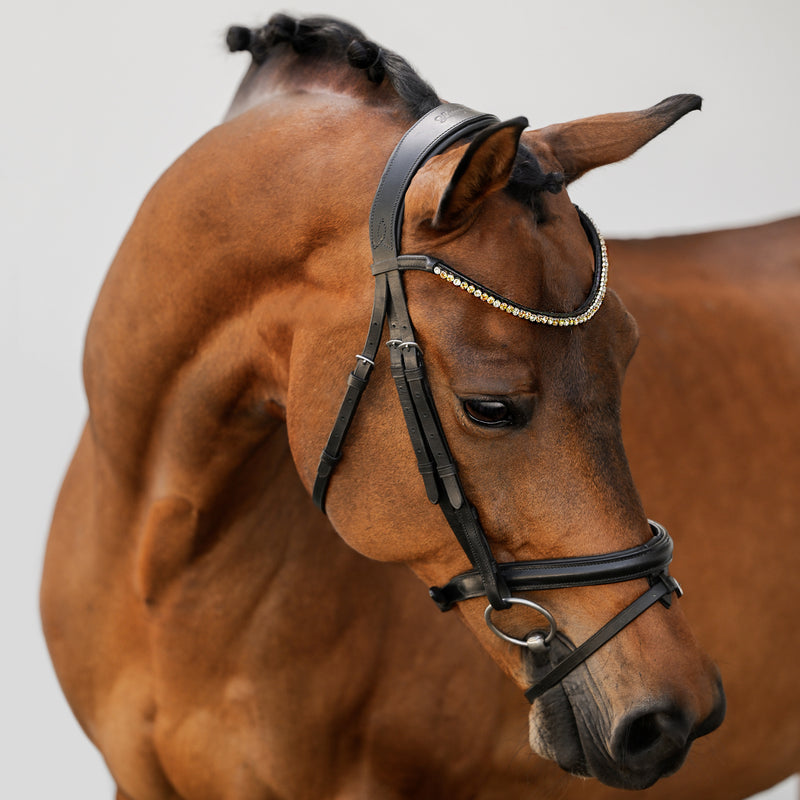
{"type": "Point", "coordinates": [99, 97]}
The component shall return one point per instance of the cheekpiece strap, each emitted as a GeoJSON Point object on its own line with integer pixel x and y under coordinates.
{"type": "Point", "coordinates": [436, 131]}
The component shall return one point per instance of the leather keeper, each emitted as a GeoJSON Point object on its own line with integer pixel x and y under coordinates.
{"type": "Point", "coordinates": [328, 460]}
{"type": "Point", "coordinates": [359, 384]}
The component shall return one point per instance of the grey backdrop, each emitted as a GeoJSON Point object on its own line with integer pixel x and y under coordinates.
{"type": "Point", "coordinates": [99, 97]}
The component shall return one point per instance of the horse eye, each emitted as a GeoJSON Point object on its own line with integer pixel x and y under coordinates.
{"type": "Point", "coordinates": [489, 412]}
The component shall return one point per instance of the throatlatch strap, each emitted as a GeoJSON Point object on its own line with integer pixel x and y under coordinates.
{"type": "Point", "coordinates": [665, 585]}
{"type": "Point", "coordinates": [356, 383]}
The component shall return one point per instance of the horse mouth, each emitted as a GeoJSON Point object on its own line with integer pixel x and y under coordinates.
{"type": "Point", "coordinates": [571, 724]}
{"type": "Point", "coordinates": [575, 743]}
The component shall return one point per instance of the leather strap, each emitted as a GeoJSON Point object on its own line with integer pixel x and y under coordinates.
{"type": "Point", "coordinates": [357, 382]}
{"type": "Point", "coordinates": [434, 132]}
{"type": "Point", "coordinates": [424, 462]}
{"type": "Point", "coordinates": [663, 587]}
{"type": "Point", "coordinates": [650, 558]}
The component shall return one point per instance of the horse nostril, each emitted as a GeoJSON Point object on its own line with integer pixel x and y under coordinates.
{"type": "Point", "coordinates": [643, 733]}
{"type": "Point", "coordinates": [652, 740]}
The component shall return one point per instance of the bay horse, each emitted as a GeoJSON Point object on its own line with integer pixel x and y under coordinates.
{"type": "Point", "coordinates": [218, 636]}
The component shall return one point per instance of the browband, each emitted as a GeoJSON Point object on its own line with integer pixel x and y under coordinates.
{"type": "Point", "coordinates": [585, 311]}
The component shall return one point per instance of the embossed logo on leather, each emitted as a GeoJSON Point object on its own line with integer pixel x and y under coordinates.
{"type": "Point", "coordinates": [379, 235]}
{"type": "Point", "coordinates": [446, 113]}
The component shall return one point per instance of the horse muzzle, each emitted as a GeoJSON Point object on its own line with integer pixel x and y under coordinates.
{"type": "Point", "coordinates": [571, 725]}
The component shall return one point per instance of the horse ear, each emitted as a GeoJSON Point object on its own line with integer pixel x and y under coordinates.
{"type": "Point", "coordinates": [484, 168]}
{"type": "Point", "coordinates": [592, 142]}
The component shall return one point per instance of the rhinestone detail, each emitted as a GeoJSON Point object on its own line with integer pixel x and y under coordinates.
{"type": "Point", "coordinates": [495, 300]}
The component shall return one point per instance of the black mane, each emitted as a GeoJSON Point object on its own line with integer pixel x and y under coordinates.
{"type": "Point", "coordinates": [334, 40]}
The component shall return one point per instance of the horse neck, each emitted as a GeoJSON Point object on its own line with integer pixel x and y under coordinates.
{"type": "Point", "coordinates": [188, 352]}
{"type": "Point", "coordinates": [288, 73]}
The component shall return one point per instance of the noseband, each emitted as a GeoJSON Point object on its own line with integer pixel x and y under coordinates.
{"type": "Point", "coordinates": [432, 134]}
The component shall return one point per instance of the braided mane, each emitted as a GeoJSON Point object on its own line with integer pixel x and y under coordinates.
{"type": "Point", "coordinates": [329, 39]}
{"type": "Point", "coordinates": [335, 41]}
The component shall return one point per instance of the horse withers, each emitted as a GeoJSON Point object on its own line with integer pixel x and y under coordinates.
{"type": "Point", "coordinates": [218, 636]}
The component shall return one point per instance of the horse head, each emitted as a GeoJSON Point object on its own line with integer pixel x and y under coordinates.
{"type": "Point", "coordinates": [531, 413]}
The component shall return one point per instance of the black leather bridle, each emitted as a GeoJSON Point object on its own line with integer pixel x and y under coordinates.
{"type": "Point", "coordinates": [432, 134]}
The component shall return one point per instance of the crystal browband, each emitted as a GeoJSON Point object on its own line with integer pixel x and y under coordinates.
{"type": "Point", "coordinates": [582, 314]}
